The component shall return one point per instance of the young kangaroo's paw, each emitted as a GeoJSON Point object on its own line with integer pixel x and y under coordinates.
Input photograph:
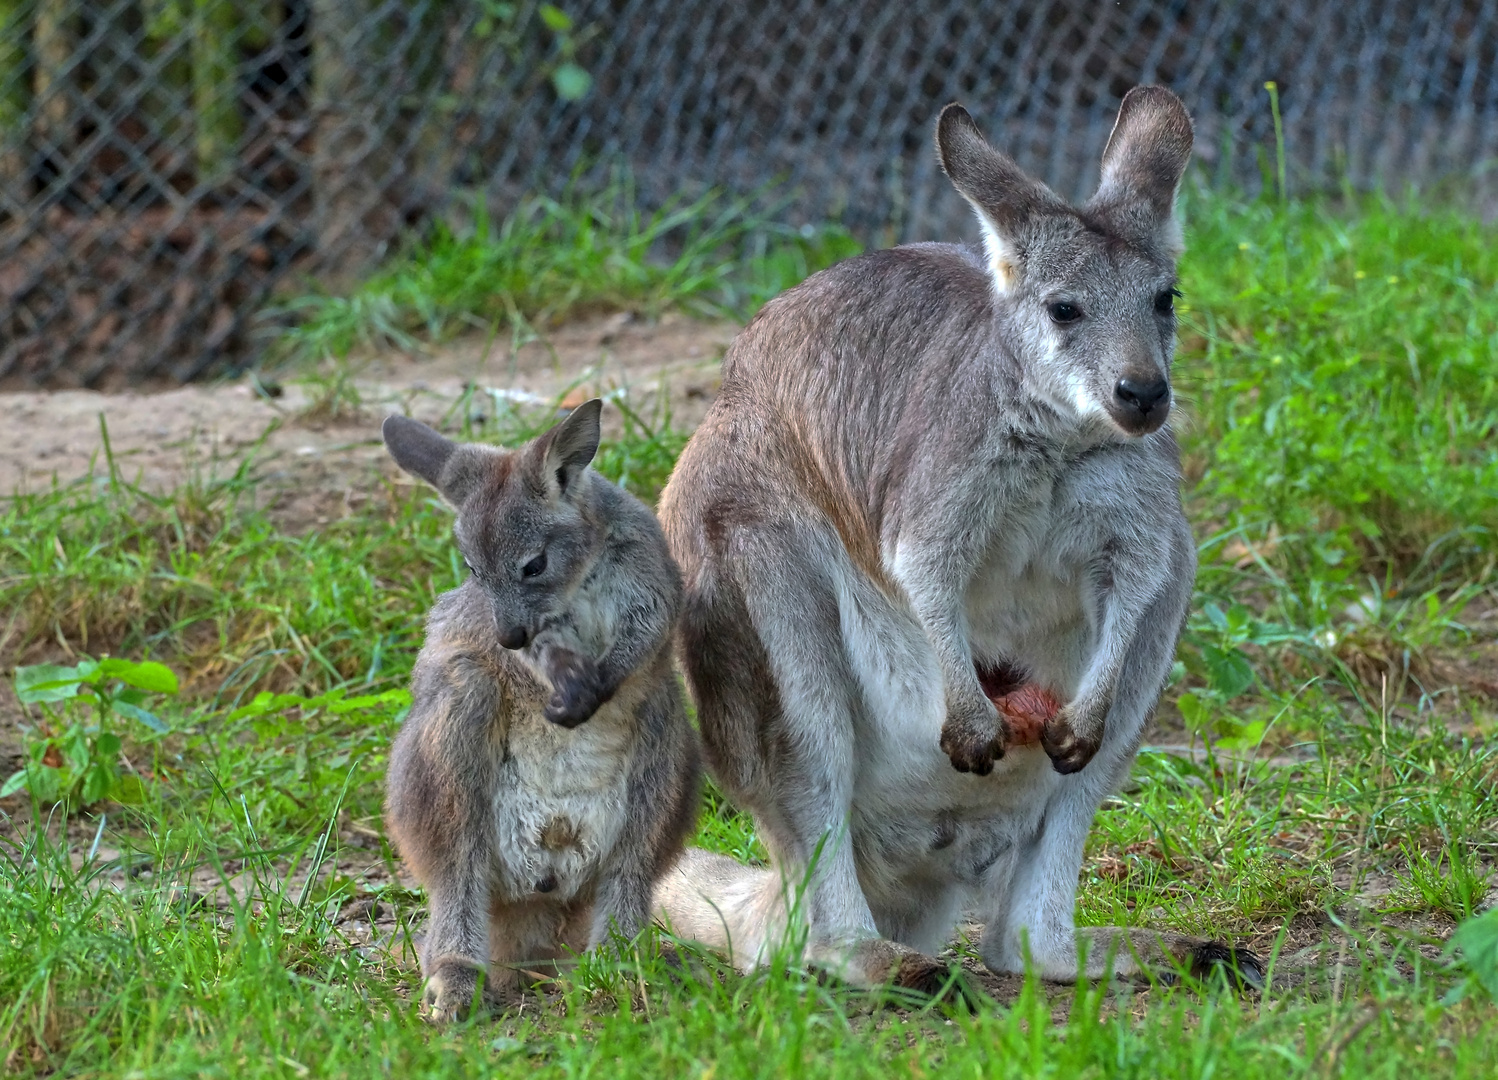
{"type": "Point", "coordinates": [1069, 752]}
{"type": "Point", "coordinates": [974, 737]}
{"type": "Point", "coordinates": [451, 991]}
{"type": "Point", "coordinates": [577, 690]}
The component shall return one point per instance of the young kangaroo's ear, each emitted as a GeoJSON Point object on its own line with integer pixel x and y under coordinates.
{"type": "Point", "coordinates": [1006, 200]}
{"type": "Point", "coordinates": [453, 469]}
{"type": "Point", "coordinates": [417, 448]}
{"type": "Point", "coordinates": [1144, 161]}
{"type": "Point", "coordinates": [567, 448]}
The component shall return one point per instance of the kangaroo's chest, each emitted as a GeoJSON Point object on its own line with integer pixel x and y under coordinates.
{"type": "Point", "coordinates": [917, 819]}
{"type": "Point", "coordinates": [1026, 603]}
{"type": "Point", "coordinates": [560, 802]}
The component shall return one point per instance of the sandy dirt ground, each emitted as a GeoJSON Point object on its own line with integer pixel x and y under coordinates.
{"type": "Point", "coordinates": [161, 439]}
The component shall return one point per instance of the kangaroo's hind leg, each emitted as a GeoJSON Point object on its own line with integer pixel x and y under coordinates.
{"type": "Point", "coordinates": [807, 736]}
{"type": "Point", "coordinates": [1032, 914]}
{"type": "Point", "coordinates": [783, 743]}
{"type": "Point", "coordinates": [1034, 911]}
{"type": "Point", "coordinates": [439, 787]}
{"type": "Point", "coordinates": [455, 872]}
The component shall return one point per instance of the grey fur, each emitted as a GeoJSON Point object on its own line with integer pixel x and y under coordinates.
{"type": "Point", "coordinates": [917, 470]}
{"type": "Point", "coordinates": [539, 791]}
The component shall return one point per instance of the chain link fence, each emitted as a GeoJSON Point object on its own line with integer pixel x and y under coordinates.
{"type": "Point", "coordinates": [168, 167]}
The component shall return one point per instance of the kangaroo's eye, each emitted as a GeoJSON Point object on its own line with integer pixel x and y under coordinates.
{"type": "Point", "coordinates": [535, 567]}
{"type": "Point", "coordinates": [1063, 312]}
{"type": "Point", "coordinates": [468, 564]}
{"type": "Point", "coordinates": [1165, 302]}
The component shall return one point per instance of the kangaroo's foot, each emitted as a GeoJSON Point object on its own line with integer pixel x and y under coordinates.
{"type": "Point", "coordinates": [1211, 961]}
{"type": "Point", "coordinates": [452, 990]}
{"type": "Point", "coordinates": [1137, 953]}
{"type": "Point", "coordinates": [875, 963]}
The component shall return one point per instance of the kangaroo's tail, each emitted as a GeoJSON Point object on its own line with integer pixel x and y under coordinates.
{"type": "Point", "coordinates": [739, 911]}
{"type": "Point", "coordinates": [743, 912]}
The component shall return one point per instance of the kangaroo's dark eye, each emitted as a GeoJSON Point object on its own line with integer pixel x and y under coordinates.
{"type": "Point", "coordinates": [535, 567]}
{"type": "Point", "coordinates": [1063, 312]}
{"type": "Point", "coordinates": [468, 564]}
{"type": "Point", "coordinates": [1165, 302]}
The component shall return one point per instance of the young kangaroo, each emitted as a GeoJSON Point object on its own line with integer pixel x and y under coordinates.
{"type": "Point", "coordinates": [546, 775]}
{"type": "Point", "coordinates": [937, 476]}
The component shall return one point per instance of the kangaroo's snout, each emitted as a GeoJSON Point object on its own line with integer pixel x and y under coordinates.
{"type": "Point", "coordinates": [515, 637]}
{"type": "Point", "coordinates": [1141, 403]}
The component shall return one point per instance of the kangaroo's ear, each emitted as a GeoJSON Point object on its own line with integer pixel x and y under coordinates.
{"type": "Point", "coordinates": [453, 469]}
{"type": "Point", "coordinates": [1007, 201]}
{"type": "Point", "coordinates": [1144, 161]}
{"type": "Point", "coordinates": [566, 449]}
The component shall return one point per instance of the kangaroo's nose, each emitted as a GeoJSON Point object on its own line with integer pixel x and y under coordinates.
{"type": "Point", "coordinates": [515, 637]}
{"type": "Point", "coordinates": [1142, 394]}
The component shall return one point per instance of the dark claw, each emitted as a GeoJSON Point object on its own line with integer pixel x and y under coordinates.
{"type": "Point", "coordinates": [933, 979]}
{"type": "Point", "coordinates": [569, 714]}
{"type": "Point", "coordinates": [576, 692]}
{"type": "Point", "coordinates": [1068, 752]}
{"type": "Point", "coordinates": [1241, 968]}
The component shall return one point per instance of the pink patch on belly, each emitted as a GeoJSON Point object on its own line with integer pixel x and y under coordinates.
{"type": "Point", "coordinates": [1027, 710]}
{"type": "Point", "coordinates": [1024, 705]}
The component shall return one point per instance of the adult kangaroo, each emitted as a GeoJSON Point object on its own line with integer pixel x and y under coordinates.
{"type": "Point", "coordinates": [935, 475]}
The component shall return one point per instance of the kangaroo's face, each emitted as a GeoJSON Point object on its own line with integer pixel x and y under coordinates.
{"type": "Point", "coordinates": [523, 527]}
{"type": "Point", "coordinates": [528, 545]}
{"type": "Point", "coordinates": [1099, 321]}
{"type": "Point", "coordinates": [1090, 291]}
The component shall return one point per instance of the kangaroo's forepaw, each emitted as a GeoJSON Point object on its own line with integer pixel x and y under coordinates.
{"type": "Point", "coordinates": [451, 992]}
{"type": "Point", "coordinates": [1068, 751]}
{"type": "Point", "coordinates": [576, 690]}
{"type": "Point", "coordinates": [972, 746]}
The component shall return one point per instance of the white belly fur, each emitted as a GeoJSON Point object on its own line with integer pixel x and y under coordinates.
{"type": "Point", "coordinates": [560, 801]}
{"type": "Point", "coordinates": [917, 823]}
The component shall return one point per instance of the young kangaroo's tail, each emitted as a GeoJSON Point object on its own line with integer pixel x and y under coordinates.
{"type": "Point", "coordinates": [736, 910]}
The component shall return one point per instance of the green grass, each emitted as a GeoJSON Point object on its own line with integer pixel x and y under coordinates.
{"type": "Point", "coordinates": [1343, 481]}
{"type": "Point", "coordinates": [1348, 379]}
{"type": "Point", "coordinates": [134, 984]}
{"type": "Point", "coordinates": [552, 259]}
{"type": "Point", "coordinates": [1341, 375]}
{"type": "Point", "coordinates": [131, 984]}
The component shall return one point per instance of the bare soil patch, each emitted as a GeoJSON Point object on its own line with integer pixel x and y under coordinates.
{"type": "Point", "coordinates": [313, 443]}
